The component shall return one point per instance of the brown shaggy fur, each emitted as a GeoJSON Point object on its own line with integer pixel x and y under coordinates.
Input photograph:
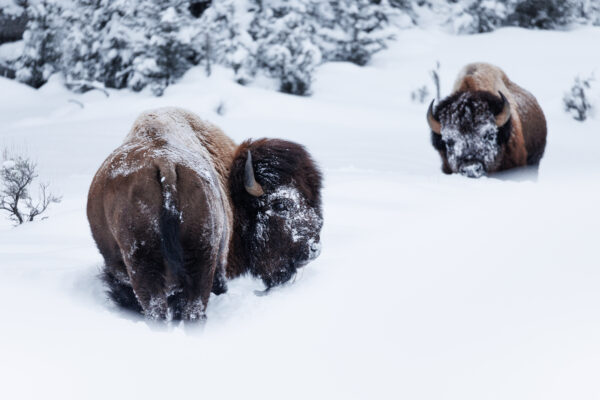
{"type": "Point", "coordinates": [133, 222]}
{"type": "Point", "coordinates": [171, 217]}
{"type": "Point", "coordinates": [527, 139]}
{"type": "Point", "coordinates": [278, 163]}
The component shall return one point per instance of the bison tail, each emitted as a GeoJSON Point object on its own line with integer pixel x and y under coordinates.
{"type": "Point", "coordinates": [169, 224]}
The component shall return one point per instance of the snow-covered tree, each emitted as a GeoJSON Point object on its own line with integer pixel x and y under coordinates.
{"type": "Point", "coordinates": [151, 43]}
{"type": "Point", "coordinates": [542, 14]}
{"type": "Point", "coordinates": [40, 53]}
{"type": "Point", "coordinates": [479, 16]}
{"type": "Point", "coordinates": [165, 45]}
{"type": "Point", "coordinates": [285, 49]}
{"type": "Point", "coordinates": [226, 40]}
{"type": "Point", "coordinates": [129, 44]}
{"type": "Point", "coordinates": [353, 30]}
{"type": "Point", "coordinates": [81, 59]}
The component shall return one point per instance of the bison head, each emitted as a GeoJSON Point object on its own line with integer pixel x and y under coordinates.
{"type": "Point", "coordinates": [276, 193]}
{"type": "Point", "coordinates": [470, 130]}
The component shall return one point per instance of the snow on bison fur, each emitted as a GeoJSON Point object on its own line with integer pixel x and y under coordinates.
{"type": "Point", "coordinates": [487, 124]}
{"type": "Point", "coordinates": [178, 208]}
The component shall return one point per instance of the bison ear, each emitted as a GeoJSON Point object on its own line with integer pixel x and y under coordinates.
{"type": "Point", "coordinates": [504, 115]}
{"type": "Point", "coordinates": [252, 187]}
{"type": "Point", "coordinates": [434, 124]}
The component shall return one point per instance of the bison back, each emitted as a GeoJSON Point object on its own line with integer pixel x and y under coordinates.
{"type": "Point", "coordinates": [533, 123]}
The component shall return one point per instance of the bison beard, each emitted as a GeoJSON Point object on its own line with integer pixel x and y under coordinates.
{"type": "Point", "coordinates": [178, 208]}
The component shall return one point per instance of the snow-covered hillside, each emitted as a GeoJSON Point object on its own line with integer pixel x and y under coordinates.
{"type": "Point", "coordinates": [428, 287]}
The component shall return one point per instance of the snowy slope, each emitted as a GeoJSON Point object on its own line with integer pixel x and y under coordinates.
{"type": "Point", "coordinates": [429, 286]}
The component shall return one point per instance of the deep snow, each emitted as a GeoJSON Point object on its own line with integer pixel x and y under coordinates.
{"type": "Point", "coordinates": [428, 286]}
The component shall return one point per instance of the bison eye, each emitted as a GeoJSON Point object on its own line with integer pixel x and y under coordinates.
{"type": "Point", "coordinates": [279, 206]}
{"type": "Point", "coordinates": [450, 143]}
{"type": "Point", "coordinates": [489, 136]}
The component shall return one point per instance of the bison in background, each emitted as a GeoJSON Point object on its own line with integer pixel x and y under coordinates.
{"type": "Point", "coordinates": [487, 124]}
{"type": "Point", "coordinates": [178, 208]}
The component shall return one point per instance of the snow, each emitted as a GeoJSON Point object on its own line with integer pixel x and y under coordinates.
{"type": "Point", "coordinates": [10, 7]}
{"type": "Point", "coordinates": [428, 286]}
{"type": "Point", "coordinates": [9, 52]}
{"type": "Point", "coordinates": [8, 164]}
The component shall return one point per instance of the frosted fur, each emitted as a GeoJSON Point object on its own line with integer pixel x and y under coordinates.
{"type": "Point", "coordinates": [160, 208]}
{"type": "Point", "coordinates": [296, 221]}
{"type": "Point", "coordinates": [488, 124]}
{"type": "Point", "coordinates": [181, 146]}
{"type": "Point", "coordinates": [300, 218]}
{"type": "Point", "coordinates": [171, 163]}
{"type": "Point", "coordinates": [470, 133]}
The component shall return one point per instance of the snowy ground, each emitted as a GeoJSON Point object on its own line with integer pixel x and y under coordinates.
{"type": "Point", "coordinates": [429, 286]}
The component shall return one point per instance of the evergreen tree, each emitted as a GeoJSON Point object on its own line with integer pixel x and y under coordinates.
{"type": "Point", "coordinates": [226, 39]}
{"type": "Point", "coordinates": [82, 49]}
{"type": "Point", "coordinates": [166, 48]}
{"type": "Point", "coordinates": [479, 16]}
{"type": "Point", "coordinates": [40, 55]}
{"type": "Point", "coordinates": [284, 47]}
{"type": "Point", "coordinates": [542, 14]}
{"type": "Point", "coordinates": [357, 29]}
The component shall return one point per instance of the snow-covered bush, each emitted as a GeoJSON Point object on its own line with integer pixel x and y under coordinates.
{"type": "Point", "coordinates": [420, 95]}
{"type": "Point", "coordinates": [17, 174]}
{"type": "Point", "coordinates": [577, 101]}
{"type": "Point", "coordinates": [543, 14]}
{"type": "Point", "coordinates": [435, 77]}
{"type": "Point", "coordinates": [552, 14]}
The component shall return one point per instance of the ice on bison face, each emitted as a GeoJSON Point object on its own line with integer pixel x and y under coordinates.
{"type": "Point", "coordinates": [278, 208]}
{"type": "Point", "coordinates": [286, 235]}
{"type": "Point", "coordinates": [469, 137]}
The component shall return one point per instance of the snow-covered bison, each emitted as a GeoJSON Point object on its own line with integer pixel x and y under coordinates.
{"type": "Point", "coordinates": [178, 208]}
{"type": "Point", "coordinates": [487, 124]}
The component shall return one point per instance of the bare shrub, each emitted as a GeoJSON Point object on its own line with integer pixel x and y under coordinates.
{"type": "Point", "coordinates": [420, 95]}
{"type": "Point", "coordinates": [17, 174]}
{"type": "Point", "coordinates": [435, 76]}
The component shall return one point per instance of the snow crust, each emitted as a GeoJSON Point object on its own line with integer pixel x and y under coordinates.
{"type": "Point", "coordinates": [428, 286]}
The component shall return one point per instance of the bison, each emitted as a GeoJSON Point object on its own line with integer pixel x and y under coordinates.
{"type": "Point", "coordinates": [178, 208]}
{"type": "Point", "coordinates": [487, 124]}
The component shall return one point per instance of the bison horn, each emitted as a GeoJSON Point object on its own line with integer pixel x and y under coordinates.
{"type": "Point", "coordinates": [504, 115]}
{"type": "Point", "coordinates": [250, 183]}
{"type": "Point", "coordinates": [434, 124]}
